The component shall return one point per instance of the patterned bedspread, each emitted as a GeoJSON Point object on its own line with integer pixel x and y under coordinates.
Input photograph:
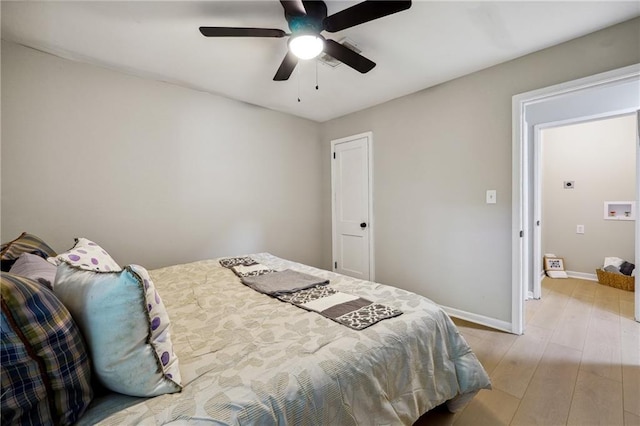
{"type": "Point", "coordinates": [247, 358]}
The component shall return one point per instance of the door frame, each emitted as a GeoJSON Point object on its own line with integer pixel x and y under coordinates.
{"type": "Point", "coordinates": [523, 138]}
{"type": "Point", "coordinates": [371, 225]}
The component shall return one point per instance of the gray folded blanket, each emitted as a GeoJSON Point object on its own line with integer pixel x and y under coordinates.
{"type": "Point", "coordinates": [310, 293]}
{"type": "Point", "coordinates": [282, 282]}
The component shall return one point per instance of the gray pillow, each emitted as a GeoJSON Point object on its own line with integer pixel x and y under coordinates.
{"type": "Point", "coordinates": [612, 269]}
{"type": "Point", "coordinates": [36, 268]}
{"type": "Point", "coordinates": [627, 268]}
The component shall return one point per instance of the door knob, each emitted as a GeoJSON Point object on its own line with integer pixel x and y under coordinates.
{"type": "Point", "coordinates": [363, 225]}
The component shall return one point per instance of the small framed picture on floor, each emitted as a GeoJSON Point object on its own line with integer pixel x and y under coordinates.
{"type": "Point", "coordinates": [553, 264]}
{"type": "Point", "coordinates": [554, 267]}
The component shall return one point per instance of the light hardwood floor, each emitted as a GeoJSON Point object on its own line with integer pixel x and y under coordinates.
{"type": "Point", "coordinates": [578, 362]}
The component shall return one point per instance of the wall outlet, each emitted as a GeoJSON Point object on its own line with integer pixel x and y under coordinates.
{"type": "Point", "coordinates": [579, 229]}
{"type": "Point", "coordinates": [491, 196]}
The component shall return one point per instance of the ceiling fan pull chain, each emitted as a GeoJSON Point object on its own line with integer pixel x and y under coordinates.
{"type": "Point", "coordinates": [316, 74]}
{"type": "Point", "coordinates": [298, 80]}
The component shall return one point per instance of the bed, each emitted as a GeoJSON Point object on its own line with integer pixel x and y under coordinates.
{"type": "Point", "coordinates": [249, 358]}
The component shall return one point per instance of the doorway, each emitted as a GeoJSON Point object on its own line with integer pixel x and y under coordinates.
{"type": "Point", "coordinates": [611, 93]}
{"type": "Point", "coordinates": [578, 165]}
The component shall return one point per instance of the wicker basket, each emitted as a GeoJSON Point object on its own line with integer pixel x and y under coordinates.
{"type": "Point", "coordinates": [624, 282]}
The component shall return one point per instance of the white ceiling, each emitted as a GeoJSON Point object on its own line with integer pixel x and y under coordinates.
{"type": "Point", "coordinates": [428, 44]}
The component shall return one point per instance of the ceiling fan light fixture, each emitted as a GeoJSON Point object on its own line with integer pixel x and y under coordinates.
{"type": "Point", "coordinates": [306, 46]}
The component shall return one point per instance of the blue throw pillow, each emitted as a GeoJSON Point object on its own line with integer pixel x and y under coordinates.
{"type": "Point", "coordinates": [126, 326]}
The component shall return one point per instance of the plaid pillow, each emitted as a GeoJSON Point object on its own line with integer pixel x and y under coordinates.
{"type": "Point", "coordinates": [45, 367]}
{"type": "Point", "coordinates": [25, 243]}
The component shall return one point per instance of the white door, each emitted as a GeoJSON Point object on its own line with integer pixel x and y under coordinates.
{"type": "Point", "coordinates": [352, 218]}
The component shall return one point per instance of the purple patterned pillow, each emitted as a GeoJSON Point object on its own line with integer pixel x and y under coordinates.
{"type": "Point", "coordinates": [87, 255]}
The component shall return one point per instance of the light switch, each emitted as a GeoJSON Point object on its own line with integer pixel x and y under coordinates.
{"type": "Point", "coordinates": [579, 229]}
{"type": "Point", "coordinates": [491, 196]}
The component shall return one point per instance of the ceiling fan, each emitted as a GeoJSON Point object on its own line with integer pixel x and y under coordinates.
{"type": "Point", "coordinates": [307, 19]}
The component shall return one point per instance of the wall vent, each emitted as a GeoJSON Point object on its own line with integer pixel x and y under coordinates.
{"type": "Point", "coordinates": [331, 61]}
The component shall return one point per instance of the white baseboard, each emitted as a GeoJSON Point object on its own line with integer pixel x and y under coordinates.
{"type": "Point", "coordinates": [478, 319]}
{"type": "Point", "coordinates": [504, 325]}
{"type": "Point", "coordinates": [574, 274]}
{"type": "Point", "coordinates": [582, 275]}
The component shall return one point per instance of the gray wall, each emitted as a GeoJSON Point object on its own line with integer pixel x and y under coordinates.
{"type": "Point", "coordinates": [156, 173]}
{"type": "Point", "coordinates": [160, 174]}
{"type": "Point", "coordinates": [600, 156]}
{"type": "Point", "coordinates": [437, 151]}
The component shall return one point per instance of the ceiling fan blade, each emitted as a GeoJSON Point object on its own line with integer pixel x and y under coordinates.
{"type": "Point", "coordinates": [286, 67]}
{"type": "Point", "coordinates": [293, 7]}
{"type": "Point", "coordinates": [241, 32]}
{"type": "Point", "coordinates": [348, 56]}
{"type": "Point", "coordinates": [363, 12]}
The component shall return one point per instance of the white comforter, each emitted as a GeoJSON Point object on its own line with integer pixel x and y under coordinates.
{"type": "Point", "coordinates": [247, 358]}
